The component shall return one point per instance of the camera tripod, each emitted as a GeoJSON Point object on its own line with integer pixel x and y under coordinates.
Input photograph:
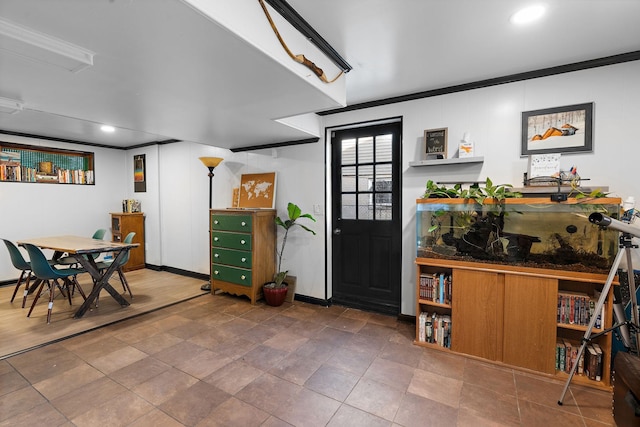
{"type": "Point", "coordinates": [621, 323]}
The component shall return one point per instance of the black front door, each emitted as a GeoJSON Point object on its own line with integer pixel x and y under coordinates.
{"type": "Point", "coordinates": [367, 235]}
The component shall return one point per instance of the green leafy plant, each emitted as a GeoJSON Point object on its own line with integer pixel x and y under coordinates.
{"type": "Point", "coordinates": [295, 213]}
{"type": "Point", "coordinates": [491, 191]}
{"type": "Point", "coordinates": [577, 193]}
{"type": "Point", "coordinates": [475, 192]}
{"type": "Point", "coordinates": [434, 190]}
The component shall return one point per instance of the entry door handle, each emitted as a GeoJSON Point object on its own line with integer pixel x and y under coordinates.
{"type": "Point", "coordinates": [337, 231]}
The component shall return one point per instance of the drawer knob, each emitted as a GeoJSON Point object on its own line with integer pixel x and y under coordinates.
{"type": "Point", "coordinates": [243, 241]}
{"type": "Point", "coordinates": [243, 223]}
{"type": "Point", "coordinates": [216, 255]}
{"type": "Point", "coordinates": [243, 259]}
{"type": "Point", "coordinates": [215, 221]}
{"type": "Point", "coordinates": [215, 239]}
{"type": "Point", "coordinates": [243, 277]}
{"type": "Point", "coordinates": [216, 272]}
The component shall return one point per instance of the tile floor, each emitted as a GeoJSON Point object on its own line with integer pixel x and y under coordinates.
{"type": "Point", "coordinates": [218, 361]}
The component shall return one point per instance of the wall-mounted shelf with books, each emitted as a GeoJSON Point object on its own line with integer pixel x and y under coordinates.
{"type": "Point", "coordinates": [30, 163]}
{"type": "Point", "coordinates": [454, 161]}
{"type": "Point", "coordinates": [487, 318]}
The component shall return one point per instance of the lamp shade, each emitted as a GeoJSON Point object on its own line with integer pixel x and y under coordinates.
{"type": "Point", "coordinates": [211, 162]}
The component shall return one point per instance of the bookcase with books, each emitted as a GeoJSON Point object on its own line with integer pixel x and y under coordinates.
{"type": "Point", "coordinates": [28, 163]}
{"type": "Point", "coordinates": [521, 317]}
{"type": "Point", "coordinates": [575, 309]}
{"type": "Point", "coordinates": [434, 303]}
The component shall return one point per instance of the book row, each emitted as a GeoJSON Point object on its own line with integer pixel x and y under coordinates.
{"type": "Point", "coordinates": [435, 328]}
{"type": "Point", "coordinates": [39, 159]}
{"type": "Point", "coordinates": [589, 363]}
{"type": "Point", "coordinates": [62, 176]}
{"type": "Point", "coordinates": [578, 309]}
{"type": "Point", "coordinates": [436, 287]}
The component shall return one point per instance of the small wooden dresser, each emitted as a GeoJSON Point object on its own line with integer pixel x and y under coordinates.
{"type": "Point", "coordinates": [243, 250]}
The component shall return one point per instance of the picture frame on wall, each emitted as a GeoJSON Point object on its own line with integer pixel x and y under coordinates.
{"type": "Point", "coordinates": [566, 129]}
{"type": "Point", "coordinates": [139, 173]}
{"type": "Point", "coordinates": [435, 143]}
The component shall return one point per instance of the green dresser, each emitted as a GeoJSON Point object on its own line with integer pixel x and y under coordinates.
{"type": "Point", "coordinates": [243, 250]}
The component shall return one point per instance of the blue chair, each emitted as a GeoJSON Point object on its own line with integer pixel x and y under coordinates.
{"type": "Point", "coordinates": [50, 276]}
{"type": "Point", "coordinates": [21, 264]}
{"type": "Point", "coordinates": [103, 265]}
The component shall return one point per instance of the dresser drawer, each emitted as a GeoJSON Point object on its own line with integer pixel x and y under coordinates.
{"type": "Point", "coordinates": [231, 257]}
{"type": "Point", "coordinates": [231, 240]}
{"type": "Point", "coordinates": [231, 222]}
{"type": "Point", "coordinates": [236, 275]}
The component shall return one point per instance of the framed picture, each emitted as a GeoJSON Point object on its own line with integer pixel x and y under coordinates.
{"type": "Point", "coordinates": [139, 174]}
{"type": "Point", "coordinates": [435, 141]}
{"type": "Point", "coordinates": [565, 129]}
{"type": "Point", "coordinates": [257, 190]}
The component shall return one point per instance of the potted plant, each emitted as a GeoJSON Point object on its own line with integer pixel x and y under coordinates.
{"type": "Point", "coordinates": [275, 291]}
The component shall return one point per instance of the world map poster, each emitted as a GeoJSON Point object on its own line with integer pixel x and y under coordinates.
{"type": "Point", "coordinates": [258, 190]}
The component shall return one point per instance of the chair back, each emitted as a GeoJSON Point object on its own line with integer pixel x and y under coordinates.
{"type": "Point", "coordinates": [41, 267]}
{"type": "Point", "coordinates": [17, 259]}
{"type": "Point", "coordinates": [99, 234]}
{"type": "Point", "coordinates": [127, 239]}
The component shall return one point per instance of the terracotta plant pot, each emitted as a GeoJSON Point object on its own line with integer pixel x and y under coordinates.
{"type": "Point", "coordinates": [274, 296]}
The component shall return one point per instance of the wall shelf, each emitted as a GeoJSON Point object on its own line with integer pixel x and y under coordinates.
{"type": "Point", "coordinates": [454, 161]}
{"type": "Point", "coordinates": [28, 163]}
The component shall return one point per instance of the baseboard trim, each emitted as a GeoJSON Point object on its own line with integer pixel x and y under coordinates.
{"type": "Point", "coordinates": [178, 271]}
{"type": "Point", "coordinates": [312, 300]}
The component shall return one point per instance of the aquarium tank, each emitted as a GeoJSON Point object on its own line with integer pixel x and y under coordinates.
{"type": "Point", "coordinates": [533, 232]}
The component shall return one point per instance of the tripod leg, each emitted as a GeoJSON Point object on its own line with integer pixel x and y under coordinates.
{"type": "Point", "coordinates": [620, 318]}
{"type": "Point", "coordinates": [592, 322]}
{"type": "Point", "coordinates": [634, 302]}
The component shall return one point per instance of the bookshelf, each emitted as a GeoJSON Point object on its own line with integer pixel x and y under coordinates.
{"type": "Point", "coordinates": [30, 163]}
{"type": "Point", "coordinates": [509, 315]}
{"type": "Point", "coordinates": [123, 224]}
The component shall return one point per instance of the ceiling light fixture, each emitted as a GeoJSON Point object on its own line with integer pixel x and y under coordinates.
{"type": "Point", "coordinates": [31, 44]}
{"type": "Point", "coordinates": [107, 128]}
{"type": "Point", "coordinates": [10, 106]}
{"type": "Point", "coordinates": [528, 14]}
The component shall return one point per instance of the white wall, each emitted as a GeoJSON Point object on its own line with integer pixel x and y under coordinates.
{"type": "Point", "coordinates": [149, 200]}
{"type": "Point", "coordinates": [34, 210]}
{"type": "Point", "coordinates": [184, 203]}
{"type": "Point", "coordinates": [492, 116]}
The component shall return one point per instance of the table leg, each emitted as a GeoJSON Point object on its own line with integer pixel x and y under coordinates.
{"type": "Point", "coordinates": [101, 282]}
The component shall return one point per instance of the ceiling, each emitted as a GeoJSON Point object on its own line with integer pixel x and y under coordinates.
{"type": "Point", "coordinates": [163, 71]}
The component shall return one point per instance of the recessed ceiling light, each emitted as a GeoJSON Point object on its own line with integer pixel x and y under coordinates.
{"type": "Point", "coordinates": [528, 14]}
{"type": "Point", "coordinates": [107, 128]}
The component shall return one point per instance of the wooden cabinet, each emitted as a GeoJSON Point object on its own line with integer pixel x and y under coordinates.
{"type": "Point", "coordinates": [509, 315]}
{"type": "Point", "coordinates": [123, 224]}
{"type": "Point", "coordinates": [475, 303]}
{"type": "Point", "coordinates": [243, 250]}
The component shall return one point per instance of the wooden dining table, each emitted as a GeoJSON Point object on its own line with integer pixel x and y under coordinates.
{"type": "Point", "coordinates": [83, 249]}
